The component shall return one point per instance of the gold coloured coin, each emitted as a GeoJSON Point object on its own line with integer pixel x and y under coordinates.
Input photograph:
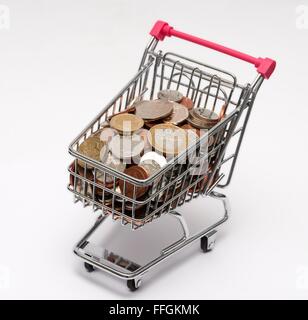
{"type": "Point", "coordinates": [91, 148]}
{"type": "Point", "coordinates": [168, 139]}
{"type": "Point", "coordinates": [126, 122]}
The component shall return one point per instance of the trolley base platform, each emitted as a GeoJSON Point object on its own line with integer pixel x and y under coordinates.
{"type": "Point", "coordinates": [96, 257]}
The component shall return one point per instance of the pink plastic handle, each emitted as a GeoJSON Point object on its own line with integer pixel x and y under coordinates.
{"type": "Point", "coordinates": [265, 66]}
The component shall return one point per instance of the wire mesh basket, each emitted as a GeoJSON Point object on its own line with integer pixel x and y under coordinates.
{"type": "Point", "coordinates": [186, 176]}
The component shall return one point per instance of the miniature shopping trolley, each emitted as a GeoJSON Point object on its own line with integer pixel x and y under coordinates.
{"type": "Point", "coordinates": [173, 185]}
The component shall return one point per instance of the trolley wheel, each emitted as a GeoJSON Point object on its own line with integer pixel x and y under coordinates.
{"type": "Point", "coordinates": [133, 285]}
{"type": "Point", "coordinates": [89, 267]}
{"type": "Point", "coordinates": [205, 245]}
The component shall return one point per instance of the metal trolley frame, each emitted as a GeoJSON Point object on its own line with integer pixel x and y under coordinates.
{"type": "Point", "coordinates": [177, 183]}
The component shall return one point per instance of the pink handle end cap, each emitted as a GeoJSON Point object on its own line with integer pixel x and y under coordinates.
{"type": "Point", "coordinates": [160, 30]}
{"type": "Point", "coordinates": [266, 67]}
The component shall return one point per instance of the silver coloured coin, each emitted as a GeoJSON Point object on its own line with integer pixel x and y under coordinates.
{"type": "Point", "coordinates": [104, 153]}
{"type": "Point", "coordinates": [107, 134]}
{"type": "Point", "coordinates": [202, 118]}
{"type": "Point", "coordinates": [111, 162]}
{"type": "Point", "coordinates": [206, 114]}
{"type": "Point", "coordinates": [151, 166]}
{"type": "Point", "coordinates": [115, 163]}
{"type": "Point", "coordinates": [159, 159]}
{"type": "Point", "coordinates": [126, 147]}
{"type": "Point", "coordinates": [197, 123]}
{"type": "Point", "coordinates": [179, 114]}
{"type": "Point", "coordinates": [156, 189]}
{"type": "Point", "coordinates": [192, 137]}
{"type": "Point", "coordinates": [153, 109]}
{"type": "Point", "coordinates": [170, 95]}
{"type": "Point", "coordinates": [145, 135]}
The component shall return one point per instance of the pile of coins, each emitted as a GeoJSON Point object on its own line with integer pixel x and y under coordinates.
{"type": "Point", "coordinates": [138, 143]}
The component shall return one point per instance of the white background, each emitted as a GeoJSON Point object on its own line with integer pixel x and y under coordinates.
{"type": "Point", "coordinates": [62, 61]}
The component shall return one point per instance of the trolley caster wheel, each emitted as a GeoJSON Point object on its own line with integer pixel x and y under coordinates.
{"type": "Point", "coordinates": [89, 267]}
{"type": "Point", "coordinates": [133, 284]}
{"type": "Point", "coordinates": [207, 242]}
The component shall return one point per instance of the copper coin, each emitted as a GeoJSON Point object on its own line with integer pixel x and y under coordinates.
{"type": "Point", "coordinates": [179, 114]}
{"type": "Point", "coordinates": [99, 191]}
{"type": "Point", "coordinates": [84, 188]}
{"type": "Point", "coordinates": [127, 216]}
{"type": "Point", "coordinates": [199, 185]}
{"type": "Point", "coordinates": [80, 185]}
{"type": "Point", "coordinates": [72, 169]}
{"type": "Point", "coordinates": [130, 109]}
{"type": "Point", "coordinates": [188, 126]}
{"type": "Point", "coordinates": [138, 173]}
{"type": "Point", "coordinates": [88, 174]}
{"type": "Point", "coordinates": [150, 124]}
{"type": "Point", "coordinates": [126, 123]}
{"type": "Point", "coordinates": [72, 177]}
{"type": "Point", "coordinates": [81, 172]}
{"type": "Point", "coordinates": [154, 109]}
{"type": "Point", "coordinates": [170, 95]}
{"type": "Point", "coordinates": [139, 214]}
{"type": "Point", "coordinates": [223, 111]}
{"type": "Point", "coordinates": [104, 124]}
{"type": "Point", "coordinates": [130, 205]}
{"type": "Point", "coordinates": [177, 200]}
{"type": "Point", "coordinates": [90, 148]}
{"type": "Point", "coordinates": [188, 103]}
